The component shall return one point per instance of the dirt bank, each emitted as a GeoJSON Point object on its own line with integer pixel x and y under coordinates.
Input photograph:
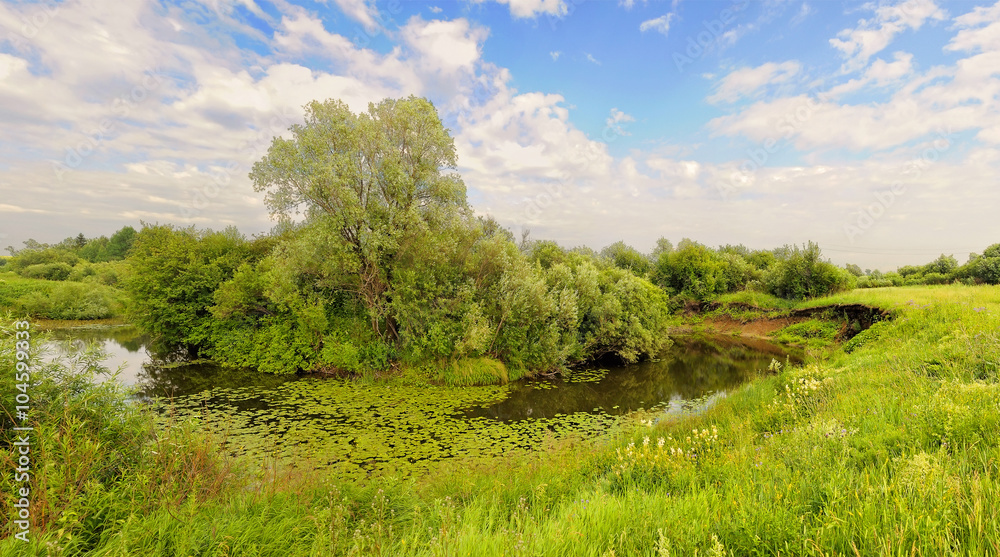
{"type": "Point", "coordinates": [855, 318]}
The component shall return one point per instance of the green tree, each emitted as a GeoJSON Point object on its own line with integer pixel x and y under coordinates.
{"type": "Point", "coordinates": [802, 273]}
{"type": "Point", "coordinates": [943, 265]}
{"type": "Point", "coordinates": [986, 267]}
{"type": "Point", "coordinates": [120, 242]}
{"type": "Point", "coordinates": [662, 246]}
{"type": "Point", "coordinates": [626, 257]}
{"type": "Point", "coordinates": [172, 280]}
{"type": "Point", "coordinates": [367, 183]}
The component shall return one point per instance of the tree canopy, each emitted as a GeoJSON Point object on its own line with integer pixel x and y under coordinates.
{"type": "Point", "coordinates": [367, 182]}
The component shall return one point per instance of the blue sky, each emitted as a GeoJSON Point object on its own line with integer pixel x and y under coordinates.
{"type": "Point", "coordinates": [872, 128]}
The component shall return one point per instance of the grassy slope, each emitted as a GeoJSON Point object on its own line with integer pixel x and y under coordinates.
{"type": "Point", "coordinates": [891, 449]}
{"type": "Point", "coordinates": [47, 299]}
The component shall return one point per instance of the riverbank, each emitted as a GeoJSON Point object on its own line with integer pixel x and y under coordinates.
{"type": "Point", "coordinates": [888, 445]}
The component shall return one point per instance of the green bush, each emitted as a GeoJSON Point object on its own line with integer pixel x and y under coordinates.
{"type": "Point", "coordinates": [47, 271]}
{"type": "Point", "coordinates": [802, 274]}
{"type": "Point", "coordinates": [72, 301]}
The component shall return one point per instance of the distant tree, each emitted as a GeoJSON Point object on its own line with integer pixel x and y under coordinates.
{"type": "Point", "coordinates": [854, 269]}
{"type": "Point", "coordinates": [626, 257]}
{"type": "Point", "coordinates": [96, 250]}
{"type": "Point", "coordinates": [804, 274]}
{"type": "Point", "coordinates": [986, 268]}
{"type": "Point", "coordinates": [943, 265]}
{"type": "Point", "coordinates": [80, 240]}
{"type": "Point", "coordinates": [662, 246]}
{"type": "Point", "coordinates": [546, 253]}
{"type": "Point", "coordinates": [120, 242]}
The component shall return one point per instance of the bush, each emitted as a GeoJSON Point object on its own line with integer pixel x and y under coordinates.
{"type": "Point", "coordinates": [802, 274]}
{"type": "Point", "coordinates": [72, 301]}
{"type": "Point", "coordinates": [29, 257]}
{"type": "Point", "coordinates": [47, 271]}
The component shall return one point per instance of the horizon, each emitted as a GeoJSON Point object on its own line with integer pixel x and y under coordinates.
{"type": "Point", "coordinates": [862, 127]}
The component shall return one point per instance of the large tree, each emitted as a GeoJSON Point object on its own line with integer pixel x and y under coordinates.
{"type": "Point", "coordinates": [367, 184]}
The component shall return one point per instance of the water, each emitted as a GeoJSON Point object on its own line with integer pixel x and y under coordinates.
{"type": "Point", "coordinates": [360, 428]}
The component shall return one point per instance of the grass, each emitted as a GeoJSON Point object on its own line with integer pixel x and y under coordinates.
{"type": "Point", "coordinates": [888, 446]}
{"type": "Point", "coordinates": [65, 300]}
{"type": "Point", "coordinates": [758, 300]}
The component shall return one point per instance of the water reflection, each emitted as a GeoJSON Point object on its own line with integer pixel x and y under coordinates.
{"type": "Point", "coordinates": [691, 368]}
{"type": "Point", "coordinates": [124, 346]}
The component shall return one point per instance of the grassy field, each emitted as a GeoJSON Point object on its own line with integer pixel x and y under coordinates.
{"type": "Point", "coordinates": [47, 299]}
{"type": "Point", "coordinates": [887, 446]}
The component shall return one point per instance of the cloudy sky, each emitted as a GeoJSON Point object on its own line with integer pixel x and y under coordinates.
{"type": "Point", "coordinates": [871, 128]}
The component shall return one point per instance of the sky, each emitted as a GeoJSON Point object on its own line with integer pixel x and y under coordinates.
{"type": "Point", "coordinates": [872, 129]}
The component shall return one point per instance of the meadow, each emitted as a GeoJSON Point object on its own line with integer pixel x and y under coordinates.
{"type": "Point", "coordinates": [886, 444]}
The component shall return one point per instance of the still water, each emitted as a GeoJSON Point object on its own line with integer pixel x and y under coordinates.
{"type": "Point", "coordinates": [360, 428]}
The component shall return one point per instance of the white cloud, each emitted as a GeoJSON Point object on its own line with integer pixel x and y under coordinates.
{"type": "Point", "coordinates": [978, 30]}
{"type": "Point", "coordinates": [804, 12]}
{"type": "Point", "coordinates": [533, 8]}
{"type": "Point", "coordinates": [873, 35]}
{"type": "Point", "coordinates": [615, 121]}
{"type": "Point", "coordinates": [362, 11]}
{"type": "Point", "coordinates": [435, 9]}
{"type": "Point", "coordinates": [880, 73]}
{"type": "Point", "coordinates": [660, 24]}
{"type": "Point", "coordinates": [591, 59]}
{"type": "Point", "coordinates": [555, 55]}
{"type": "Point", "coordinates": [746, 81]}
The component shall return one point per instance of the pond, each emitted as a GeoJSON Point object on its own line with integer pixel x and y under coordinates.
{"type": "Point", "coordinates": [359, 428]}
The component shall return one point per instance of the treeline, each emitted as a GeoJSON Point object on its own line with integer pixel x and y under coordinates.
{"type": "Point", "coordinates": [76, 258]}
{"type": "Point", "coordinates": [979, 269]}
{"type": "Point", "coordinates": [81, 277]}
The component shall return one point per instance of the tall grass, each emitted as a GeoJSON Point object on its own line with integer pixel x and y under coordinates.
{"type": "Point", "coordinates": [890, 448]}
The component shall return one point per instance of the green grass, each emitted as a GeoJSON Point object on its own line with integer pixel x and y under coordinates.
{"type": "Point", "coordinates": [756, 299]}
{"type": "Point", "coordinates": [814, 333]}
{"type": "Point", "coordinates": [71, 300]}
{"type": "Point", "coordinates": [892, 448]}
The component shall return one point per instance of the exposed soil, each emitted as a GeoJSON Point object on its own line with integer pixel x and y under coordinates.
{"type": "Point", "coordinates": [856, 318]}
{"type": "Point", "coordinates": [760, 328]}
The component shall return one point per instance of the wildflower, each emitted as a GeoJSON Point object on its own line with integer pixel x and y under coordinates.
{"type": "Point", "coordinates": [659, 442]}
{"type": "Point", "coordinates": [645, 441]}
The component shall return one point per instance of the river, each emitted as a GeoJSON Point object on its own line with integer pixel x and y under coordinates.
{"type": "Point", "coordinates": [362, 427]}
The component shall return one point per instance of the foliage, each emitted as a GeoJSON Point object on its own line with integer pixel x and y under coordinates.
{"type": "Point", "coordinates": [630, 259]}
{"type": "Point", "coordinates": [173, 277]}
{"type": "Point", "coordinates": [370, 182]}
{"type": "Point", "coordinates": [47, 271]}
{"type": "Point", "coordinates": [71, 301]}
{"type": "Point", "coordinates": [813, 333]}
{"type": "Point", "coordinates": [96, 460]}
{"type": "Point", "coordinates": [53, 300]}
{"type": "Point", "coordinates": [800, 273]}
{"type": "Point", "coordinates": [986, 268]}
{"type": "Point", "coordinates": [693, 270]}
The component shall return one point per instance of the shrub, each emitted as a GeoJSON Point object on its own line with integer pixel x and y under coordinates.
{"type": "Point", "coordinates": [802, 274]}
{"type": "Point", "coordinates": [72, 301]}
{"type": "Point", "coordinates": [47, 271]}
